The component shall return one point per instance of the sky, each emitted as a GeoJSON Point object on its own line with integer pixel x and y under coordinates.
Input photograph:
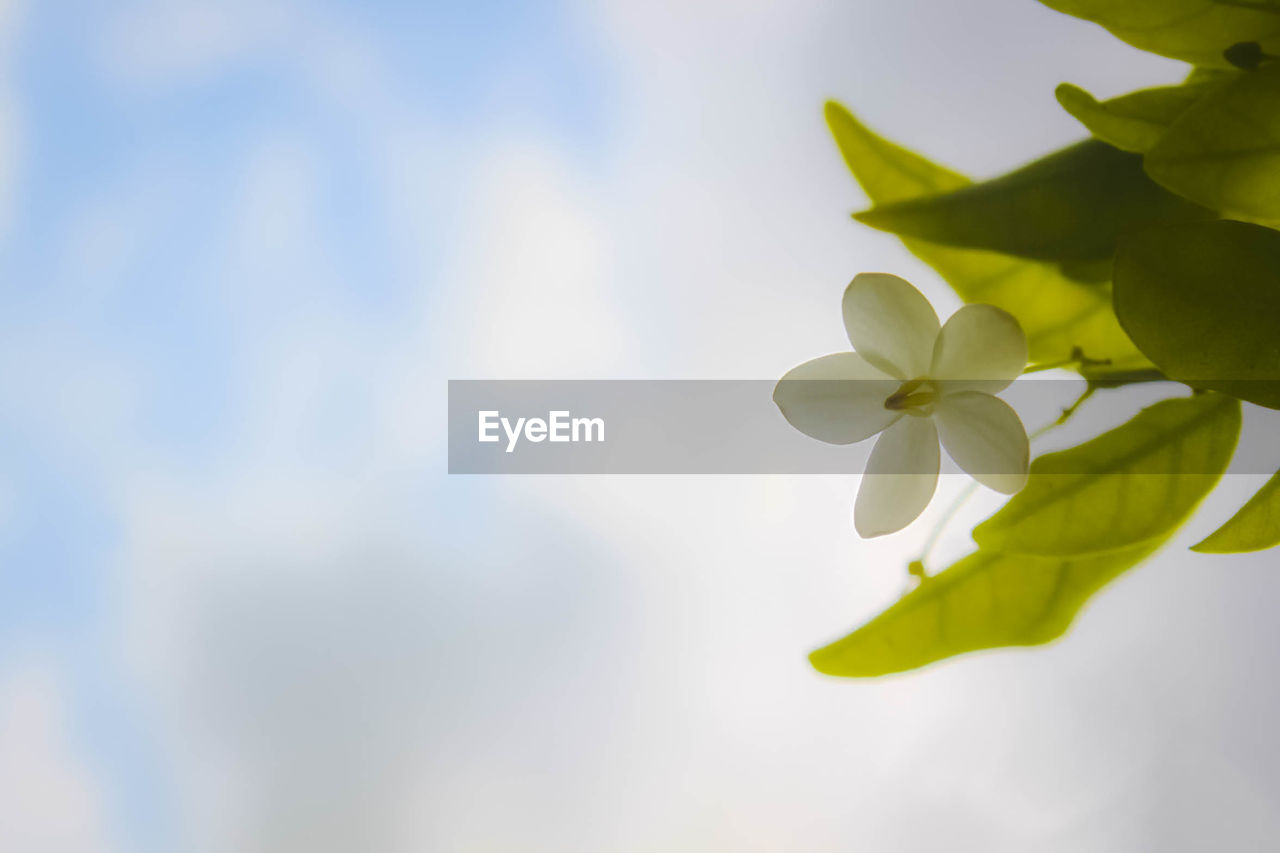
{"type": "Point", "coordinates": [243, 607]}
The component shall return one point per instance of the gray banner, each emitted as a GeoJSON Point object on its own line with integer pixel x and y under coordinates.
{"type": "Point", "coordinates": [710, 427]}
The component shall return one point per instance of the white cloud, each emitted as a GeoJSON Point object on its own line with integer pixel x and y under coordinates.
{"type": "Point", "coordinates": [531, 283]}
{"type": "Point", "coordinates": [186, 41]}
{"type": "Point", "coordinates": [50, 801]}
{"type": "Point", "coordinates": [11, 118]}
{"type": "Point", "coordinates": [584, 664]}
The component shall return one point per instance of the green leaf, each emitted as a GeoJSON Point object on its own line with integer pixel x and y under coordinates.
{"type": "Point", "coordinates": [1136, 121]}
{"type": "Point", "coordinates": [1057, 313]}
{"type": "Point", "coordinates": [1202, 300]}
{"type": "Point", "coordinates": [1093, 272]}
{"type": "Point", "coordinates": [1255, 527]}
{"type": "Point", "coordinates": [1209, 75]}
{"type": "Point", "coordinates": [1196, 31]}
{"type": "Point", "coordinates": [1246, 55]}
{"type": "Point", "coordinates": [1224, 150]}
{"type": "Point", "coordinates": [1069, 206]}
{"type": "Point", "coordinates": [1133, 484]}
{"type": "Point", "coordinates": [986, 600]}
{"type": "Point", "coordinates": [1086, 516]}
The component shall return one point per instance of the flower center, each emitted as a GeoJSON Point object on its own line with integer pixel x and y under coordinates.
{"type": "Point", "coordinates": [915, 397]}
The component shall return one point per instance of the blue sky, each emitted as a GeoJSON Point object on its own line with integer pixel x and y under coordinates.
{"type": "Point", "coordinates": [156, 165]}
{"type": "Point", "coordinates": [244, 246]}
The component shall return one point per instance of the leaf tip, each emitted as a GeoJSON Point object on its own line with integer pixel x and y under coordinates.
{"type": "Point", "coordinates": [838, 116]}
{"type": "Point", "coordinates": [834, 659]}
{"type": "Point", "coordinates": [826, 661]}
{"type": "Point", "coordinates": [1070, 90]}
{"type": "Point", "coordinates": [1073, 99]}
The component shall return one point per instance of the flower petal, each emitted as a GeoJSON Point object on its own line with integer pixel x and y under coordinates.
{"type": "Point", "coordinates": [981, 348]}
{"type": "Point", "coordinates": [901, 476]}
{"type": "Point", "coordinates": [986, 439]}
{"type": "Point", "coordinates": [838, 398]}
{"type": "Point", "coordinates": [890, 324]}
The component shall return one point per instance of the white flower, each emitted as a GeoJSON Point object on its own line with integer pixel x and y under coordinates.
{"type": "Point", "coordinates": [916, 383]}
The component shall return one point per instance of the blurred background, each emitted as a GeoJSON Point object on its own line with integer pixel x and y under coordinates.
{"type": "Point", "coordinates": [243, 607]}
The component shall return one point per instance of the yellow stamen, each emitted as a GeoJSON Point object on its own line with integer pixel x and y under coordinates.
{"type": "Point", "coordinates": [912, 397]}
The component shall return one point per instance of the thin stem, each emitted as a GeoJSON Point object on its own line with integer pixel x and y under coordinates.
{"type": "Point", "coordinates": [1077, 357]}
{"type": "Point", "coordinates": [1071, 410]}
{"type": "Point", "coordinates": [1127, 377]}
{"type": "Point", "coordinates": [917, 567]}
{"type": "Point", "coordinates": [1066, 413]}
{"type": "Point", "coordinates": [1049, 365]}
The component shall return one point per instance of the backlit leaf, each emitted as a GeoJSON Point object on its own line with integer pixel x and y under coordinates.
{"type": "Point", "coordinates": [1130, 485]}
{"type": "Point", "coordinates": [1057, 313]}
{"type": "Point", "coordinates": [1197, 31]}
{"type": "Point", "coordinates": [1105, 505]}
{"type": "Point", "coordinates": [1224, 150]}
{"type": "Point", "coordinates": [1254, 528]}
{"type": "Point", "coordinates": [986, 600]}
{"type": "Point", "coordinates": [1069, 206]}
{"type": "Point", "coordinates": [1136, 121]}
{"type": "Point", "coordinates": [1203, 302]}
